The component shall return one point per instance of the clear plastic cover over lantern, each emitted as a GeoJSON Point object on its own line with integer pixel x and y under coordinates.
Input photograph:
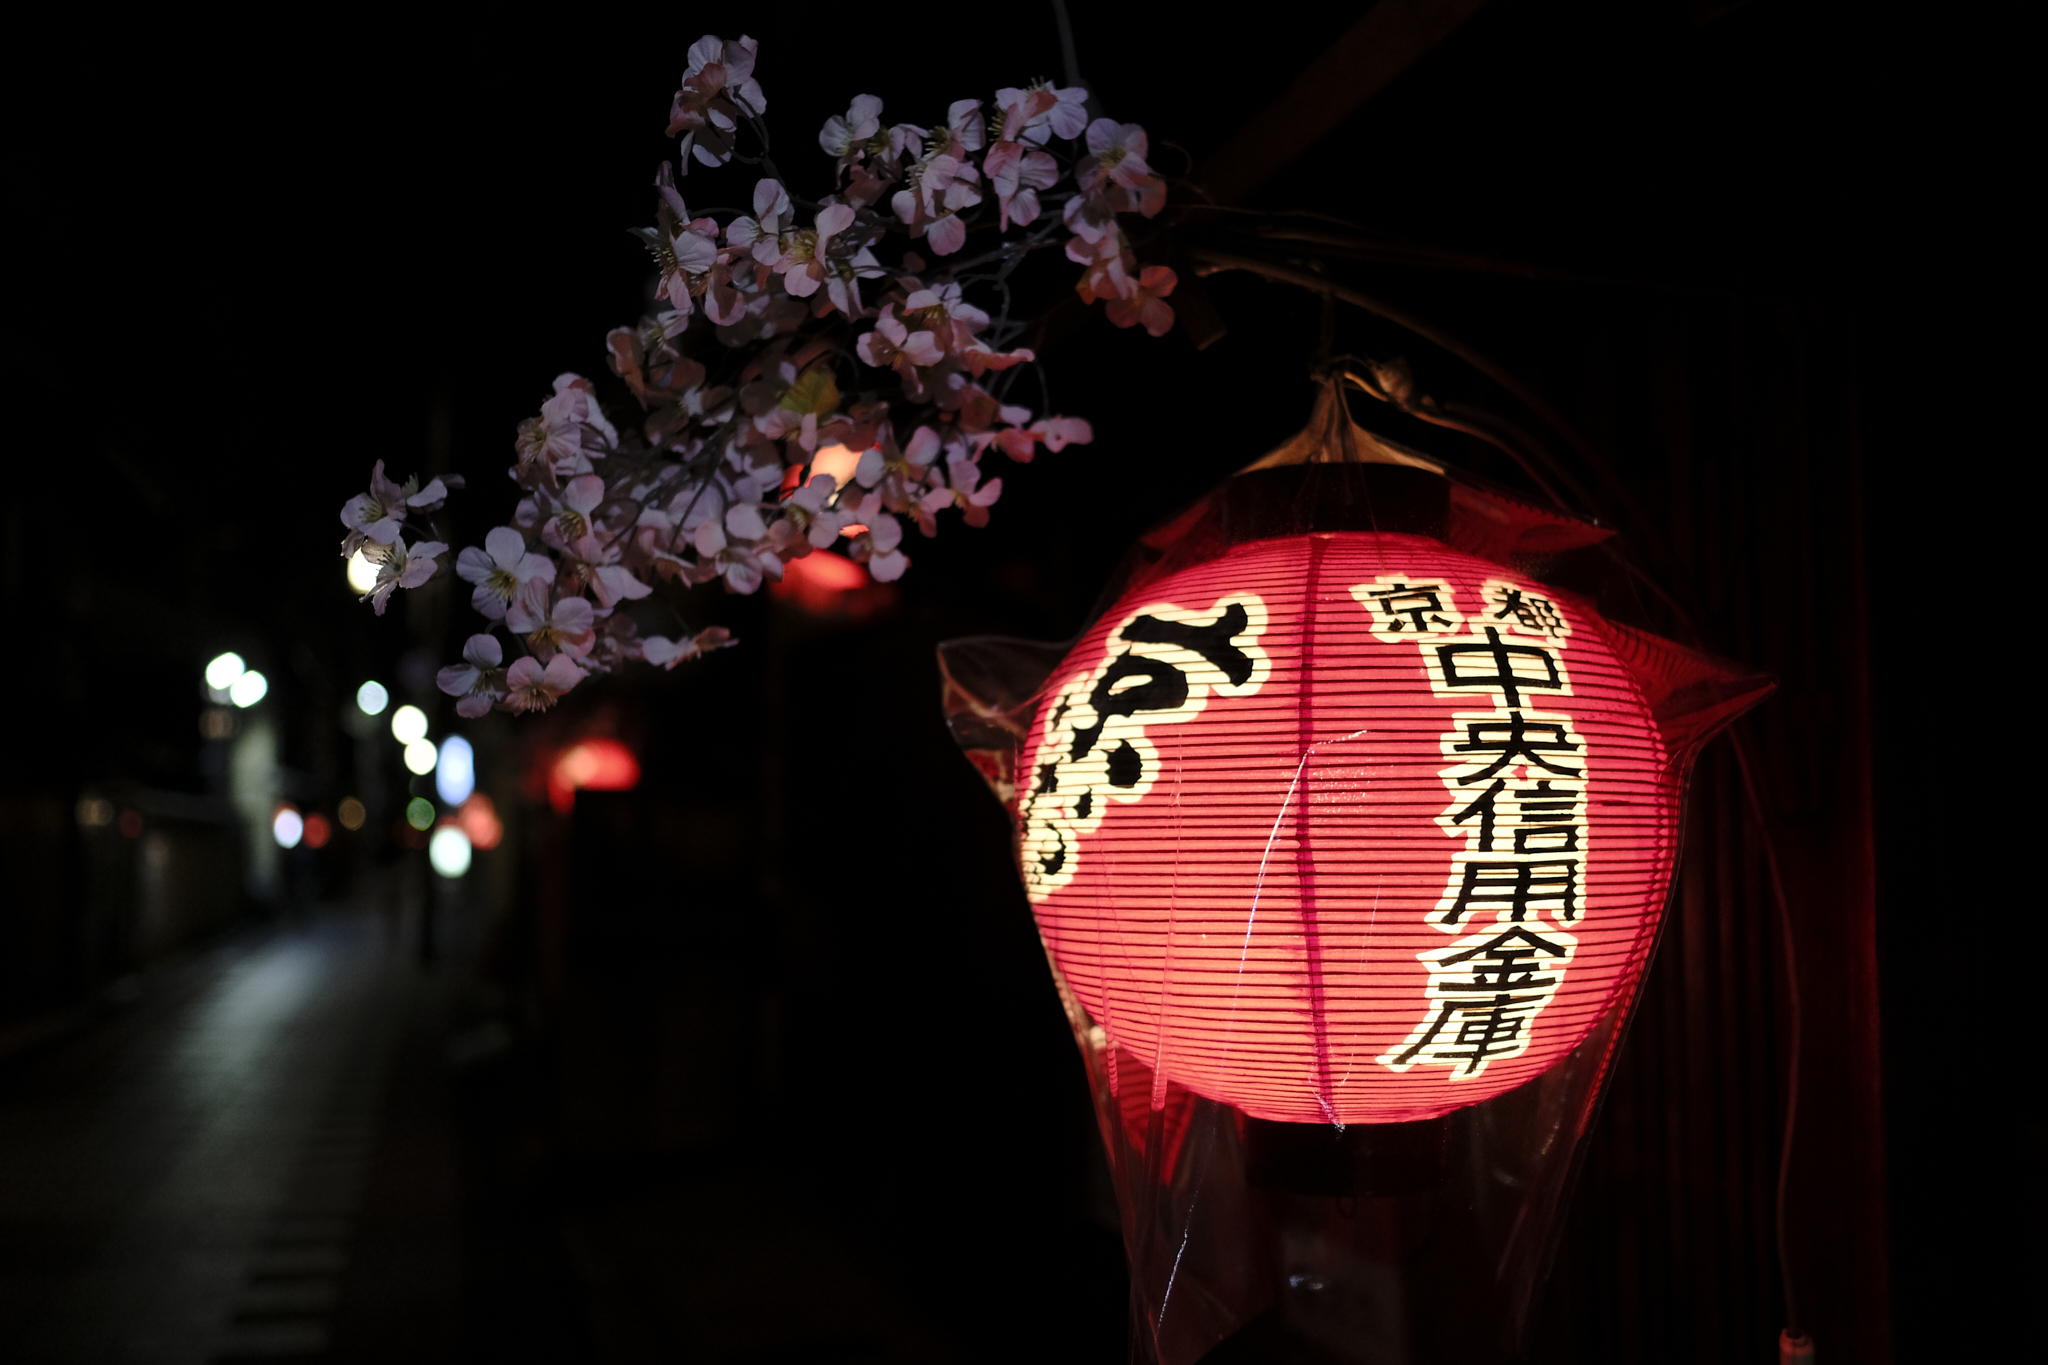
{"type": "Point", "coordinates": [1348, 828]}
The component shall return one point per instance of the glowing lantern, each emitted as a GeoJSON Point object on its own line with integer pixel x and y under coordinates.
{"type": "Point", "coordinates": [826, 584]}
{"type": "Point", "coordinates": [591, 765]}
{"type": "Point", "coordinates": [1341, 815]}
{"type": "Point", "coordinates": [1347, 828]}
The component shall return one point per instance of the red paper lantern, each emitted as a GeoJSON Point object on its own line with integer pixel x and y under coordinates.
{"type": "Point", "coordinates": [1346, 827]}
{"type": "Point", "coordinates": [603, 765]}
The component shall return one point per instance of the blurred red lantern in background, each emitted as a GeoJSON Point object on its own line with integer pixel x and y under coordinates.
{"type": "Point", "coordinates": [827, 584]}
{"type": "Point", "coordinates": [590, 765]}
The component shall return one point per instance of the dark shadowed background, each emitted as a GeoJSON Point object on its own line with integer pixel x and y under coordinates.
{"type": "Point", "coordinates": [787, 987]}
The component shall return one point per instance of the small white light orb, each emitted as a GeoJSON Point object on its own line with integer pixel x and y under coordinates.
{"type": "Point", "coordinates": [420, 756]}
{"type": "Point", "coordinates": [408, 723]}
{"type": "Point", "coordinates": [222, 672]}
{"type": "Point", "coordinates": [287, 827]}
{"type": "Point", "coordinates": [419, 812]}
{"type": "Point", "coordinates": [455, 775]}
{"type": "Point", "coordinates": [248, 689]}
{"type": "Point", "coordinates": [448, 851]}
{"type": "Point", "coordinates": [362, 574]}
{"type": "Point", "coordinates": [371, 698]}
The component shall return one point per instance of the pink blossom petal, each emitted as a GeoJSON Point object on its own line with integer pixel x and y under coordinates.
{"type": "Point", "coordinates": [946, 235]}
{"type": "Point", "coordinates": [473, 565]}
{"type": "Point", "coordinates": [573, 616]}
{"type": "Point", "coordinates": [456, 679]}
{"type": "Point", "coordinates": [483, 651]}
{"type": "Point", "coordinates": [505, 546]}
{"type": "Point", "coordinates": [584, 493]}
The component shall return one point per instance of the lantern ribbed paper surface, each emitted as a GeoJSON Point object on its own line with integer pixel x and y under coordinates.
{"type": "Point", "coordinates": [1346, 827]}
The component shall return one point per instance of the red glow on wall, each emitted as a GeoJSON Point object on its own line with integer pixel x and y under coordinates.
{"type": "Point", "coordinates": [1346, 828]}
{"type": "Point", "coordinates": [318, 831]}
{"type": "Point", "coordinates": [603, 765]}
{"type": "Point", "coordinates": [478, 818]}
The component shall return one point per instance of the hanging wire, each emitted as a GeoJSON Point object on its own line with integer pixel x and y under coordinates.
{"type": "Point", "coordinates": [1793, 1336]}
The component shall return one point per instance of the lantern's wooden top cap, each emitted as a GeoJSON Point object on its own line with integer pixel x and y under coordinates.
{"type": "Point", "coordinates": [1331, 437]}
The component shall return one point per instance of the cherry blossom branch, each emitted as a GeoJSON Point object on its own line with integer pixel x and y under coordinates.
{"type": "Point", "coordinates": [761, 316]}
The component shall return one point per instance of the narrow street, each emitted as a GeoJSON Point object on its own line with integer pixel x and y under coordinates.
{"type": "Point", "coordinates": [300, 1143]}
{"type": "Point", "coordinates": [239, 1157]}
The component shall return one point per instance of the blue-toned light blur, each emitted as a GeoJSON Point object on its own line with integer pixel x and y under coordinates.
{"type": "Point", "coordinates": [222, 672]}
{"type": "Point", "coordinates": [248, 689]}
{"type": "Point", "coordinates": [420, 757]}
{"type": "Point", "coordinates": [419, 812]}
{"type": "Point", "coordinates": [455, 778]}
{"type": "Point", "coordinates": [408, 723]}
{"type": "Point", "coordinates": [371, 698]}
{"type": "Point", "coordinates": [287, 827]}
{"type": "Point", "coordinates": [448, 851]}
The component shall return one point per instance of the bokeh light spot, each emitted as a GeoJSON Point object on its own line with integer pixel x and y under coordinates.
{"type": "Point", "coordinates": [362, 574]}
{"type": "Point", "coordinates": [455, 774]}
{"type": "Point", "coordinates": [448, 851]}
{"type": "Point", "coordinates": [223, 670]}
{"type": "Point", "coordinates": [248, 689]}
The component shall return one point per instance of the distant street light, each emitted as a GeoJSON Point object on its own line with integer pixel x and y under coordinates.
{"type": "Point", "coordinates": [420, 756]}
{"type": "Point", "coordinates": [408, 723]}
{"type": "Point", "coordinates": [362, 574]}
{"type": "Point", "coordinates": [248, 689]}
{"type": "Point", "coordinates": [371, 698]}
{"type": "Point", "coordinates": [223, 670]}
{"type": "Point", "coordinates": [448, 851]}
{"type": "Point", "coordinates": [455, 775]}
{"type": "Point", "coordinates": [287, 827]}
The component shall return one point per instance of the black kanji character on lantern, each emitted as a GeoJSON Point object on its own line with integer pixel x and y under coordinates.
{"type": "Point", "coordinates": [1483, 807]}
{"type": "Point", "coordinates": [1518, 888]}
{"type": "Point", "coordinates": [1136, 682]}
{"type": "Point", "coordinates": [1501, 659]}
{"type": "Point", "coordinates": [1549, 821]}
{"type": "Point", "coordinates": [1530, 612]}
{"type": "Point", "coordinates": [1486, 1029]}
{"type": "Point", "coordinates": [1517, 739]}
{"type": "Point", "coordinates": [1422, 605]}
{"type": "Point", "coordinates": [1213, 642]}
{"type": "Point", "coordinates": [1505, 962]}
{"type": "Point", "coordinates": [1132, 683]}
